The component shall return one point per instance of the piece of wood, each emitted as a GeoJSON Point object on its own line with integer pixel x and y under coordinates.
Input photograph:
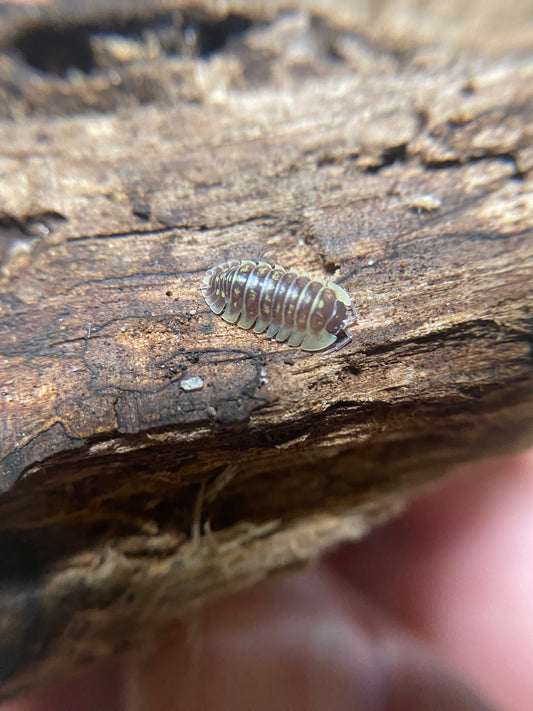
{"type": "Point", "coordinates": [330, 142]}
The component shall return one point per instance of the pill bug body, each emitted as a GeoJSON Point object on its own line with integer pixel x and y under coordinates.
{"type": "Point", "coordinates": [310, 313]}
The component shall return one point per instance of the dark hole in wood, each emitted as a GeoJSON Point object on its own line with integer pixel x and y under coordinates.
{"type": "Point", "coordinates": [29, 226]}
{"type": "Point", "coordinates": [59, 49]}
{"type": "Point", "coordinates": [56, 50]}
{"type": "Point", "coordinates": [213, 36]}
{"type": "Point", "coordinates": [394, 154]}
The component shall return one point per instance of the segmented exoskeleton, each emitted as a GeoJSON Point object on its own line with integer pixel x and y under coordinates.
{"type": "Point", "coordinates": [309, 312]}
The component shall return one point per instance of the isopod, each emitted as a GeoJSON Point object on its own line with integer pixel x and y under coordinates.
{"type": "Point", "coordinates": [311, 313]}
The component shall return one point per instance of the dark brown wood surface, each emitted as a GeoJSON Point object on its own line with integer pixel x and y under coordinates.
{"type": "Point", "coordinates": [141, 145]}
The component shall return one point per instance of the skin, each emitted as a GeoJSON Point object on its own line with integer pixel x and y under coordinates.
{"type": "Point", "coordinates": [416, 616]}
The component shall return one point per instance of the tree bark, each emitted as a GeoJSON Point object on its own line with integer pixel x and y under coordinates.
{"type": "Point", "coordinates": [141, 146]}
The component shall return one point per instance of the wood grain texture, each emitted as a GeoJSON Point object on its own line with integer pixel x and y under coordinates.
{"type": "Point", "coordinates": [396, 162]}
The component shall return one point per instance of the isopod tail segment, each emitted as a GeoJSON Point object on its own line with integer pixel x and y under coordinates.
{"type": "Point", "coordinates": [305, 311]}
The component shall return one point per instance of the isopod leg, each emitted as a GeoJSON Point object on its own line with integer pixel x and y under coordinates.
{"type": "Point", "coordinates": [350, 320]}
{"type": "Point", "coordinates": [354, 316]}
{"type": "Point", "coordinates": [340, 343]}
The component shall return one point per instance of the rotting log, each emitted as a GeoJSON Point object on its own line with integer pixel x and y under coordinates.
{"type": "Point", "coordinates": [397, 163]}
